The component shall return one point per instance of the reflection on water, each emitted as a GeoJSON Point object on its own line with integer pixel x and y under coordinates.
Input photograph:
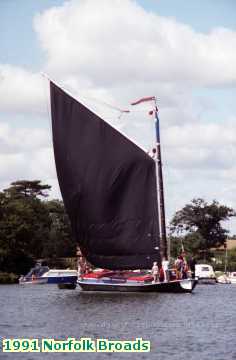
{"type": "Point", "coordinates": [201, 325]}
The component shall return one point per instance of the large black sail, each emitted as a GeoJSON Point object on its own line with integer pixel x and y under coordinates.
{"type": "Point", "coordinates": [108, 185]}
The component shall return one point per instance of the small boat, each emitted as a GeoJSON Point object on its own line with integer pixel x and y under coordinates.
{"type": "Point", "coordinates": [223, 279]}
{"type": "Point", "coordinates": [232, 277]}
{"type": "Point", "coordinates": [43, 275]}
{"type": "Point", "coordinates": [228, 278]}
{"type": "Point", "coordinates": [113, 193]}
{"type": "Point", "coordinates": [205, 274]}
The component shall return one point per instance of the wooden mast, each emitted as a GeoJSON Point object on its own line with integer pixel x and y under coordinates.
{"type": "Point", "coordinates": [162, 221]}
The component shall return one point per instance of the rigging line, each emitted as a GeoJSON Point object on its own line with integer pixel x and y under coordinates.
{"type": "Point", "coordinates": [122, 111]}
{"type": "Point", "coordinates": [45, 91]}
{"type": "Point", "coordinates": [48, 107]}
{"type": "Point", "coordinates": [113, 107]}
{"type": "Point", "coordinates": [94, 112]}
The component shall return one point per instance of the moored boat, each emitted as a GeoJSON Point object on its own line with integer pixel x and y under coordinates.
{"type": "Point", "coordinates": [228, 278]}
{"type": "Point", "coordinates": [232, 277]}
{"type": "Point", "coordinates": [43, 275]}
{"type": "Point", "coordinates": [205, 274]}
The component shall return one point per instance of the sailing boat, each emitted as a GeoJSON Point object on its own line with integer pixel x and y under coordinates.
{"type": "Point", "coordinates": [110, 192]}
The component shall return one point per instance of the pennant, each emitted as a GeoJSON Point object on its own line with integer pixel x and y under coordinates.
{"type": "Point", "coordinates": [145, 99]}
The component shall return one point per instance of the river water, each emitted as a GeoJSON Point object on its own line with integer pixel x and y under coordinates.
{"type": "Point", "coordinates": [201, 325]}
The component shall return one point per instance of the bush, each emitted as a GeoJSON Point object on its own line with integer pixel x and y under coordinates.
{"type": "Point", "coordinates": [8, 278]}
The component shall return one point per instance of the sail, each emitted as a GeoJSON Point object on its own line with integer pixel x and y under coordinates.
{"type": "Point", "coordinates": [108, 185]}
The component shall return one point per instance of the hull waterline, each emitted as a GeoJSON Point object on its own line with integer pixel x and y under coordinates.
{"type": "Point", "coordinates": [176, 286]}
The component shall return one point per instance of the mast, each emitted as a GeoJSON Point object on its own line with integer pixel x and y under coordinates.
{"type": "Point", "coordinates": [162, 221]}
{"type": "Point", "coordinates": [159, 180]}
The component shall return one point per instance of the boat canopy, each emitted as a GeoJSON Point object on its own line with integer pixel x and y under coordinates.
{"type": "Point", "coordinates": [108, 185]}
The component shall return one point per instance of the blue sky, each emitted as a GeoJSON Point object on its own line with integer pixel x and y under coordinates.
{"type": "Point", "coordinates": [194, 106]}
{"type": "Point", "coordinates": [202, 15]}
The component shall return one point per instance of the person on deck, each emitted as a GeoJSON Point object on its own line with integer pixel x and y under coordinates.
{"type": "Point", "coordinates": [192, 262]}
{"type": "Point", "coordinates": [184, 269]}
{"type": "Point", "coordinates": [155, 272]}
{"type": "Point", "coordinates": [81, 266]}
{"type": "Point", "coordinates": [179, 266]}
{"type": "Point", "coordinates": [165, 267]}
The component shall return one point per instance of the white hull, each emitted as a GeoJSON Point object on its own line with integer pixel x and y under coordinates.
{"type": "Point", "coordinates": [227, 279]}
{"type": "Point", "coordinates": [51, 277]}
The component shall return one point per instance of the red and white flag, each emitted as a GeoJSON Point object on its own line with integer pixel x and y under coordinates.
{"type": "Point", "coordinates": [144, 99]}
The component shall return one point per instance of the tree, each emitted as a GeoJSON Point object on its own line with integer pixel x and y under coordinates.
{"type": "Point", "coordinates": [60, 242]}
{"type": "Point", "coordinates": [24, 225]}
{"type": "Point", "coordinates": [27, 188]}
{"type": "Point", "coordinates": [190, 242]}
{"type": "Point", "coordinates": [200, 224]}
{"type": "Point", "coordinates": [32, 228]}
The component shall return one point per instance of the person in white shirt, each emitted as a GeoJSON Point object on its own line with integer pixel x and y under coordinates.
{"type": "Point", "coordinates": [165, 267]}
{"type": "Point", "coordinates": [155, 272]}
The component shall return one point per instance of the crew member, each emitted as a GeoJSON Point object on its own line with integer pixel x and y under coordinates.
{"type": "Point", "coordinates": [155, 272]}
{"type": "Point", "coordinates": [165, 267]}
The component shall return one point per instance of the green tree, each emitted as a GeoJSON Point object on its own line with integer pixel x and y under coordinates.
{"type": "Point", "coordinates": [24, 225]}
{"type": "Point", "coordinates": [200, 224]}
{"type": "Point", "coordinates": [32, 227]}
{"type": "Point", "coordinates": [60, 242]}
{"type": "Point", "coordinates": [27, 188]}
{"type": "Point", "coordinates": [190, 242]}
{"type": "Point", "coordinates": [232, 260]}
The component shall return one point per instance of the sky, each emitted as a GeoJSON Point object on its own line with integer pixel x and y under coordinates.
{"type": "Point", "coordinates": [113, 52]}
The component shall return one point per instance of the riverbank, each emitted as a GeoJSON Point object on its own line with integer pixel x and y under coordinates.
{"type": "Point", "coordinates": [8, 278]}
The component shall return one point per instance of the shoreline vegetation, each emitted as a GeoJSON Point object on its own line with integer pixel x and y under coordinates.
{"type": "Point", "coordinates": [34, 228]}
{"type": "Point", "coordinates": [8, 278]}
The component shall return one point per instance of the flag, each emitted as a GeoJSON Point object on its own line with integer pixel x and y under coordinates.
{"type": "Point", "coordinates": [149, 98]}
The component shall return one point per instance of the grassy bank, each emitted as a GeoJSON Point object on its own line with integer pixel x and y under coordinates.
{"type": "Point", "coordinates": [8, 278]}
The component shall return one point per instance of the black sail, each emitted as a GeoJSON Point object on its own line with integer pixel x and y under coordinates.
{"type": "Point", "coordinates": [108, 185]}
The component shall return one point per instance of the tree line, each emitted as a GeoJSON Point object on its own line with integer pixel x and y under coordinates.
{"type": "Point", "coordinates": [198, 229]}
{"type": "Point", "coordinates": [33, 227]}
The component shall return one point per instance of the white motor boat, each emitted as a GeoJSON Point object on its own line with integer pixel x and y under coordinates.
{"type": "Point", "coordinates": [232, 277]}
{"type": "Point", "coordinates": [229, 278]}
{"type": "Point", "coordinates": [205, 274]}
{"type": "Point", "coordinates": [43, 275]}
{"type": "Point", "coordinates": [223, 279]}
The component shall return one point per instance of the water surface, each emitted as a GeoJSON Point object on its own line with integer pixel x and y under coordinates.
{"type": "Point", "coordinates": [194, 326]}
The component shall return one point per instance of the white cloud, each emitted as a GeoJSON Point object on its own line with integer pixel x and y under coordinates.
{"type": "Point", "coordinates": [25, 153]}
{"type": "Point", "coordinates": [21, 90]}
{"type": "Point", "coordinates": [116, 42]}
{"type": "Point", "coordinates": [202, 146]}
{"type": "Point", "coordinates": [15, 140]}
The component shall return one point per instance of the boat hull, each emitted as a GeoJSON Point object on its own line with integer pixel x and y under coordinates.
{"type": "Point", "coordinates": [176, 286]}
{"type": "Point", "coordinates": [38, 281]}
{"type": "Point", "coordinates": [62, 280]}
{"type": "Point", "coordinates": [59, 280]}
